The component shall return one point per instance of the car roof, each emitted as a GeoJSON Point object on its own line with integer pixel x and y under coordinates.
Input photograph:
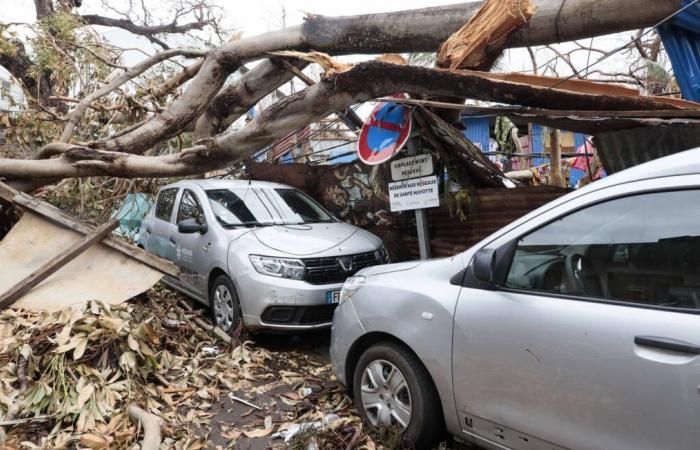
{"type": "Point", "coordinates": [227, 184]}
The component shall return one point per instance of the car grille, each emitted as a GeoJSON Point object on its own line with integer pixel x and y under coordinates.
{"type": "Point", "coordinates": [329, 270]}
{"type": "Point", "coordinates": [299, 315]}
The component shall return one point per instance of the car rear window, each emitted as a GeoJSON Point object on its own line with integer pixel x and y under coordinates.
{"type": "Point", "coordinates": [165, 204]}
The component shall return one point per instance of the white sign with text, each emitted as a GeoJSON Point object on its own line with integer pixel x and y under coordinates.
{"type": "Point", "coordinates": [417, 193]}
{"type": "Point", "coordinates": [412, 167]}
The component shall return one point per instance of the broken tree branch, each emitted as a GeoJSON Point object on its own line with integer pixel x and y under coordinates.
{"type": "Point", "coordinates": [480, 41]}
{"type": "Point", "coordinates": [363, 82]}
{"type": "Point", "coordinates": [125, 76]}
{"type": "Point", "coordinates": [150, 424]}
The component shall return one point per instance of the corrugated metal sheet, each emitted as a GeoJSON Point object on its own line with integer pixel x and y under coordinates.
{"type": "Point", "coordinates": [537, 144]}
{"type": "Point", "coordinates": [619, 150]}
{"type": "Point", "coordinates": [681, 38]}
{"type": "Point", "coordinates": [477, 131]}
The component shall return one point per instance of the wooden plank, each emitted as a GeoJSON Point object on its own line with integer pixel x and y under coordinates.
{"type": "Point", "coordinates": [54, 264]}
{"type": "Point", "coordinates": [6, 192]}
{"type": "Point", "coordinates": [66, 220]}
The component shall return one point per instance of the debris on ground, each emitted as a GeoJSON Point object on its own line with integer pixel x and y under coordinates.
{"type": "Point", "coordinates": [82, 378]}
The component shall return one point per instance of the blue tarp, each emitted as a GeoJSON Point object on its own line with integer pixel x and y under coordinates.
{"type": "Point", "coordinates": [131, 214]}
{"type": "Point", "coordinates": [681, 38]}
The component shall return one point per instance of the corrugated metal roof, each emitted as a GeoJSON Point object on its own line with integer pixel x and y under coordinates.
{"type": "Point", "coordinates": [619, 150]}
{"type": "Point", "coordinates": [681, 38]}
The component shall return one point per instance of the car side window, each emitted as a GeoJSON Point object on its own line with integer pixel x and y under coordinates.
{"type": "Point", "coordinates": [642, 249]}
{"type": "Point", "coordinates": [165, 204]}
{"type": "Point", "coordinates": [190, 208]}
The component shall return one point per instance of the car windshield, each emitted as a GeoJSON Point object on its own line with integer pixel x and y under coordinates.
{"type": "Point", "coordinates": [257, 207]}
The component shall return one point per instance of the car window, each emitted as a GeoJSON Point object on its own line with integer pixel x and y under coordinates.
{"type": "Point", "coordinates": [297, 207]}
{"type": "Point", "coordinates": [190, 208]}
{"type": "Point", "coordinates": [165, 203]}
{"type": "Point", "coordinates": [239, 206]}
{"type": "Point", "coordinates": [642, 249]}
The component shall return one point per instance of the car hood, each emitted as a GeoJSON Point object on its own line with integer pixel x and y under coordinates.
{"type": "Point", "coordinates": [421, 266]}
{"type": "Point", "coordinates": [317, 239]}
{"type": "Point", "coordinates": [389, 268]}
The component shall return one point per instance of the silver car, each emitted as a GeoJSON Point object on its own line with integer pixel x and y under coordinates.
{"type": "Point", "coordinates": [265, 253]}
{"type": "Point", "coordinates": [575, 327]}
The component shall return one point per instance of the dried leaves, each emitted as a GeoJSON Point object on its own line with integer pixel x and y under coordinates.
{"type": "Point", "coordinates": [84, 369]}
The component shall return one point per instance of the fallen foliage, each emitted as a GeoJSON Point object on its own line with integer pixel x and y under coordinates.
{"type": "Point", "coordinates": [69, 378]}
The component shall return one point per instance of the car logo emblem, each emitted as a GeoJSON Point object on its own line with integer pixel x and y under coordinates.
{"type": "Point", "coordinates": [345, 263]}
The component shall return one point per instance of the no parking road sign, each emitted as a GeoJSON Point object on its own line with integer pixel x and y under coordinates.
{"type": "Point", "coordinates": [384, 133]}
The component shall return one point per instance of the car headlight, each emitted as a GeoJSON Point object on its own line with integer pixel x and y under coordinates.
{"type": "Point", "coordinates": [351, 286]}
{"type": "Point", "coordinates": [279, 267]}
{"type": "Point", "coordinates": [382, 255]}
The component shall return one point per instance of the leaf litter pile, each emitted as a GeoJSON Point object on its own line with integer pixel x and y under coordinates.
{"type": "Point", "coordinates": [69, 379]}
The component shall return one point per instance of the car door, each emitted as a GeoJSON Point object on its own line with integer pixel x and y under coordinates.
{"type": "Point", "coordinates": [192, 249]}
{"type": "Point", "coordinates": [591, 339]}
{"type": "Point", "coordinates": [158, 228]}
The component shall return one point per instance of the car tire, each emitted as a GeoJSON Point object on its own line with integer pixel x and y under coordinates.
{"type": "Point", "coordinates": [425, 427]}
{"type": "Point", "coordinates": [224, 305]}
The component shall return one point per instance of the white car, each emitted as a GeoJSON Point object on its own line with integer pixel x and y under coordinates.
{"type": "Point", "coordinates": [575, 327]}
{"type": "Point", "coordinates": [264, 253]}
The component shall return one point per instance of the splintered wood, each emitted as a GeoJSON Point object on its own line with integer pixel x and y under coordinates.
{"type": "Point", "coordinates": [480, 41]}
{"type": "Point", "coordinates": [332, 66]}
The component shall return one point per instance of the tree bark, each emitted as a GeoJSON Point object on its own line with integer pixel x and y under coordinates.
{"type": "Point", "coordinates": [20, 66]}
{"type": "Point", "coordinates": [235, 99]}
{"type": "Point", "coordinates": [555, 158]}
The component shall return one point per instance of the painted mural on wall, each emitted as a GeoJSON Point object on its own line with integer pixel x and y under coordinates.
{"type": "Point", "coordinates": [358, 194]}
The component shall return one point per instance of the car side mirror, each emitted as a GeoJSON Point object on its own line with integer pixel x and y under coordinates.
{"type": "Point", "coordinates": [190, 226]}
{"type": "Point", "coordinates": [484, 265]}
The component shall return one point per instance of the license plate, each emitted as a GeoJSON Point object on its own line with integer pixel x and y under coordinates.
{"type": "Point", "coordinates": [332, 297]}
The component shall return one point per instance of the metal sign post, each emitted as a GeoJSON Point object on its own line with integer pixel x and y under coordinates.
{"type": "Point", "coordinates": [423, 236]}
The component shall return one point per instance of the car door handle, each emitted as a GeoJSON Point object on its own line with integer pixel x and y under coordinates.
{"type": "Point", "coordinates": [172, 240]}
{"type": "Point", "coordinates": [663, 343]}
{"type": "Point", "coordinates": [148, 230]}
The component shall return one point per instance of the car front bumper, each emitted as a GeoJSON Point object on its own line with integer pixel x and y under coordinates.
{"type": "Point", "coordinates": [284, 304]}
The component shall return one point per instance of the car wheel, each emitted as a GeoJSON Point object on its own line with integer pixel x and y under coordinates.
{"type": "Point", "coordinates": [392, 388]}
{"type": "Point", "coordinates": [224, 305]}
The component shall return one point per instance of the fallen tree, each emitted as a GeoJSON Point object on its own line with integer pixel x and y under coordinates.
{"type": "Point", "coordinates": [212, 108]}
{"type": "Point", "coordinates": [363, 82]}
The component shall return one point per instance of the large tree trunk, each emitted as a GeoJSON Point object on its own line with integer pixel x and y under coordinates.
{"type": "Point", "coordinates": [362, 83]}
{"type": "Point", "coordinates": [403, 31]}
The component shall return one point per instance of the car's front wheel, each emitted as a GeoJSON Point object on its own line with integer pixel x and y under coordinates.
{"type": "Point", "coordinates": [224, 304]}
{"type": "Point", "coordinates": [392, 388]}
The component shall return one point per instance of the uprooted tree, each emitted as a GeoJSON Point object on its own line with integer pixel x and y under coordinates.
{"type": "Point", "coordinates": [93, 124]}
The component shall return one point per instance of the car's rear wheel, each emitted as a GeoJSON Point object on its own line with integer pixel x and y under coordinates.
{"type": "Point", "coordinates": [392, 388]}
{"type": "Point", "coordinates": [224, 304]}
